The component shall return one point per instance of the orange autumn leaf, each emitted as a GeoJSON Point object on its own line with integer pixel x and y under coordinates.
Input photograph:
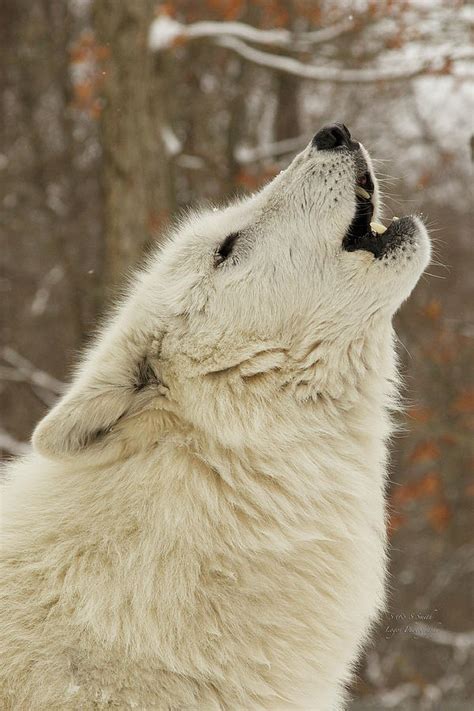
{"type": "Point", "coordinates": [84, 92]}
{"type": "Point", "coordinates": [428, 485]}
{"type": "Point", "coordinates": [247, 179]}
{"type": "Point", "coordinates": [432, 310]}
{"type": "Point", "coordinates": [227, 9]}
{"type": "Point", "coordinates": [445, 354]}
{"type": "Point", "coordinates": [424, 180]}
{"type": "Point", "coordinates": [78, 54]}
{"type": "Point", "coordinates": [420, 414]}
{"type": "Point", "coordinates": [404, 493]}
{"type": "Point", "coordinates": [101, 52]}
{"type": "Point", "coordinates": [464, 402]}
{"type": "Point", "coordinates": [394, 523]}
{"type": "Point", "coordinates": [447, 67]}
{"type": "Point", "coordinates": [439, 517]}
{"type": "Point", "coordinates": [166, 8]}
{"type": "Point", "coordinates": [310, 12]}
{"type": "Point", "coordinates": [469, 489]}
{"type": "Point", "coordinates": [157, 220]}
{"type": "Point", "coordinates": [372, 8]}
{"type": "Point", "coordinates": [95, 109]}
{"type": "Point", "coordinates": [450, 439]}
{"type": "Point", "coordinates": [274, 13]}
{"type": "Point", "coordinates": [179, 40]}
{"type": "Point", "coordinates": [426, 451]}
{"type": "Point", "coordinates": [253, 181]}
{"type": "Point", "coordinates": [396, 41]}
{"type": "Point", "coordinates": [447, 156]}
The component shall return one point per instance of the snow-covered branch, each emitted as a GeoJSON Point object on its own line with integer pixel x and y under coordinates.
{"type": "Point", "coordinates": [337, 75]}
{"type": "Point", "coordinates": [245, 154]}
{"type": "Point", "coordinates": [165, 31]}
{"type": "Point", "coordinates": [20, 369]}
{"type": "Point", "coordinates": [459, 640]}
{"type": "Point", "coordinates": [396, 697]}
{"type": "Point", "coordinates": [45, 287]}
{"type": "Point", "coordinates": [173, 147]}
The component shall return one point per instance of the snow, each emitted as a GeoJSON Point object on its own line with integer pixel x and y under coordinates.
{"type": "Point", "coordinates": [172, 143]}
{"type": "Point", "coordinates": [163, 31]}
{"type": "Point", "coordinates": [191, 162]}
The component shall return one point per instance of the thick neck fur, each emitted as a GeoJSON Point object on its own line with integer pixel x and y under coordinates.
{"type": "Point", "coordinates": [275, 391]}
{"type": "Point", "coordinates": [270, 473]}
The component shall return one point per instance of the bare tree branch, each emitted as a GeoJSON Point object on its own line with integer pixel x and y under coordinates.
{"type": "Point", "coordinates": [11, 445]}
{"type": "Point", "coordinates": [23, 371]}
{"type": "Point", "coordinates": [394, 698]}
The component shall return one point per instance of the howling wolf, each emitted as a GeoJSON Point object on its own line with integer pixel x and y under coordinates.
{"type": "Point", "coordinates": [200, 524]}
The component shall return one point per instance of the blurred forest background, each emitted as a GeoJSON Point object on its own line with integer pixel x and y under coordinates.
{"type": "Point", "coordinates": [116, 114]}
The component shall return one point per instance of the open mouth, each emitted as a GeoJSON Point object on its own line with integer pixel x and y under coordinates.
{"type": "Point", "coordinates": [363, 233]}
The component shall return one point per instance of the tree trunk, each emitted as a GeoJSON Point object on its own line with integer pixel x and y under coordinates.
{"type": "Point", "coordinates": [287, 119]}
{"type": "Point", "coordinates": [137, 192]}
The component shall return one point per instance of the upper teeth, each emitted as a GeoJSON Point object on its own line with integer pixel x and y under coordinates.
{"type": "Point", "coordinates": [378, 228]}
{"type": "Point", "coordinates": [362, 193]}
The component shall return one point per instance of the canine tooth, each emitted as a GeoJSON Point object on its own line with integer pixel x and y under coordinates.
{"type": "Point", "coordinates": [362, 193]}
{"type": "Point", "coordinates": [394, 218]}
{"type": "Point", "coordinates": [378, 228]}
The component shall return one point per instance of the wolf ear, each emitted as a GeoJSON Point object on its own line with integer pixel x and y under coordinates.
{"type": "Point", "coordinates": [113, 383]}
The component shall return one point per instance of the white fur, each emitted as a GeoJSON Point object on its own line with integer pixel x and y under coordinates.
{"type": "Point", "coordinates": [215, 539]}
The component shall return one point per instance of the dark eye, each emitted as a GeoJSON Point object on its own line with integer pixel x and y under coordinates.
{"type": "Point", "coordinates": [226, 248]}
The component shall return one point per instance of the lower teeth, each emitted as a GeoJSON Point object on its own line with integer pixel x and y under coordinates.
{"type": "Point", "coordinates": [378, 228]}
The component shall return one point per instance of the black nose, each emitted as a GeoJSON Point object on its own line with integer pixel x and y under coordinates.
{"type": "Point", "coordinates": [333, 136]}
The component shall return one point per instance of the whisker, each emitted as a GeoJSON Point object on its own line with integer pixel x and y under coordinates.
{"type": "Point", "coordinates": [398, 340]}
{"type": "Point", "coordinates": [435, 276]}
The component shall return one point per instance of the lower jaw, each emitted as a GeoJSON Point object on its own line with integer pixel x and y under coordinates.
{"type": "Point", "coordinates": [378, 241]}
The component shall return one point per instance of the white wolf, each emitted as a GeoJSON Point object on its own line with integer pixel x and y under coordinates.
{"type": "Point", "coordinates": [201, 522]}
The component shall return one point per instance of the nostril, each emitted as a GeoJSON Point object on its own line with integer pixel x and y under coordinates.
{"type": "Point", "coordinates": [337, 136]}
{"type": "Point", "coordinates": [332, 136]}
{"type": "Point", "coordinates": [346, 131]}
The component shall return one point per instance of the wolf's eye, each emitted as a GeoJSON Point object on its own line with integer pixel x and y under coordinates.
{"type": "Point", "coordinates": [225, 249]}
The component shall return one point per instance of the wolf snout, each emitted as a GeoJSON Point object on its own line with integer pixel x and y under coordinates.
{"type": "Point", "coordinates": [336, 135]}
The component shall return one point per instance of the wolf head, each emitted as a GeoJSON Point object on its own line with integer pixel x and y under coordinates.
{"type": "Point", "coordinates": [243, 301]}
